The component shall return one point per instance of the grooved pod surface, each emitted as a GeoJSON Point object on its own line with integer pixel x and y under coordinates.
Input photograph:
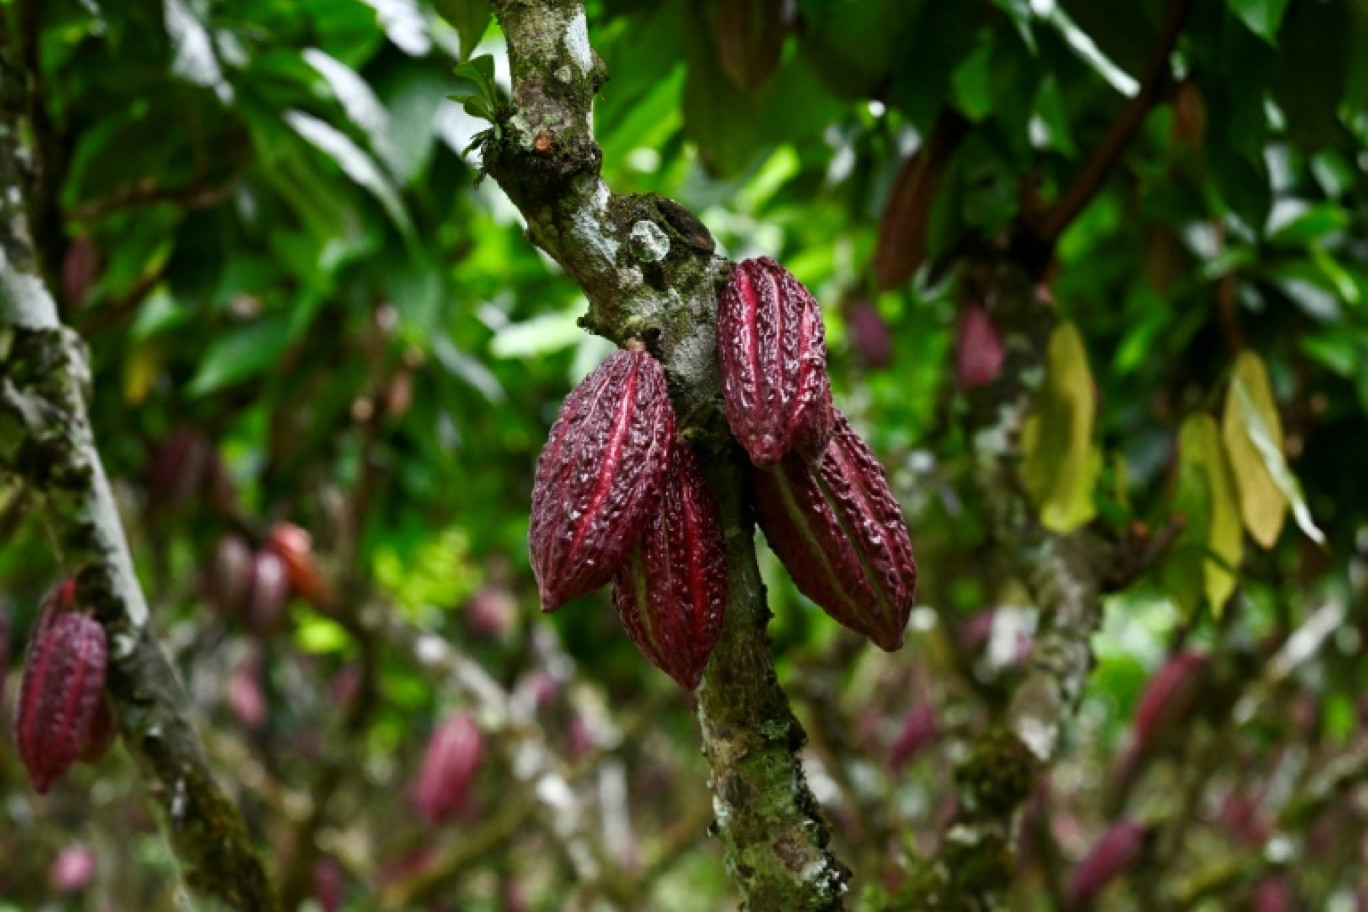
{"type": "Point", "coordinates": [672, 591]}
{"type": "Point", "coordinates": [842, 537]}
{"type": "Point", "coordinates": [772, 350]}
{"type": "Point", "coordinates": [59, 695]}
{"type": "Point", "coordinates": [599, 476]}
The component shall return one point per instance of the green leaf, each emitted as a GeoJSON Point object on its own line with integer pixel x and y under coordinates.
{"type": "Point", "coordinates": [359, 102]}
{"type": "Point", "coordinates": [542, 335]}
{"type": "Point", "coordinates": [470, 19]}
{"type": "Point", "coordinates": [1262, 16]}
{"type": "Point", "coordinates": [1312, 225]}
{"type": "Point", "coordinates": [1060, 465]}
{"type": "Point", "coordinates": [1219, 532]}
{"type": "Point", "coordinates": [240, 353]}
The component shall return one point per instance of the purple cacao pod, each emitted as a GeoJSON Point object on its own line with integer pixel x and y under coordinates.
{"type": "Point", "coordinates": [227, 581]}
{"type": "Point", "coordinates": [1115, 853]}
{"type": "Point", "coordinates": [329, 885]}
{"type": "Point", "coordinates": [771, 345]}
{"type": "Point", "coordinates": [978, 348]}
{"type": "Point", "coordinates": [598, 478]}
{"type": "Point", "coordinates": [178, 469]}
{"type": "Point", "coordinates": [270, 594]}
{"type": "Point", "coordinates": [841, 535]}
{"type": "Point", "coordinates": [672, 591]}
{"type": "Point", "coordinates": [918, 730]}
{"type": "Point", "coordinates": [104, 729]}
{"type": "Point", "coordinates": [868, 334]}
{"type": "Point", "coordinates": [1168, 697]}
{"type": "Point", "coordinates": [73, 869]}
{"type": "Point", "coordinates": [449, 766]}
{"type": "Point", "coordinates": [59, 696]}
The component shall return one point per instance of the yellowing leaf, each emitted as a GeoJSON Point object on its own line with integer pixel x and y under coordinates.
{"type": "Point", "coordinates": [141, 367]}
{"type": "Point", "coordinates": [1201, 455]}
{"type": "Point", "coordinates": [1250, 412]}
{"type": "Point", "coordinates": [1060, 465]}
{"type": "Point", "coordinates": [1252, 416]}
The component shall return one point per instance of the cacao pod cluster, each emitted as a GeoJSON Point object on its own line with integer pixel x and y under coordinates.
{"type": "Point", "coordinates": [617, 498]}
{"type": "Point", "coordinates": [63, 714]}
{"type": "Point", "coordinates": [255, 584]}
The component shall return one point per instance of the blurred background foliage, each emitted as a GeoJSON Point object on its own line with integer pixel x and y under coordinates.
{"type": "Point", "coordinates": [304, 307]}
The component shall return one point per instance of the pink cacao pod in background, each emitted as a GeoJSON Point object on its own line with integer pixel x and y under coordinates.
{"type": "Point", "coordinates": [672, 591]}
{"type": "Point", "coordinates": [59, 695]}
{"type": "Point", "coordinates": [227, 580]}
{"type": "Point", "coordinates": [270, 593]}
{"type": "Point", "coordinates": [1168, 697]}
{"type": "Point", "coordinates": [868, 335]}
{"type": "Point", "coordinates": [73, 869]}
{"type": "Point", "coordinates": [841, 535]}
{"type": "Point", "coordinates": [978, 348]}
{"type": "Point", "coordinates": [245, 697]}
{"type": "Point", "coordinates": [449, 766]}
{"type": "Point", "coordinates": [329, 885]}
{"type": "Point", "coordinates": [179, 468]}
{"type": "Point", "coordinates": [1113, 855]}
{"type": "Point", "coordinates": [598, 478]}
{"type": "Point", "coordinates": [918, 730]}
{"type": "Point", "coordinates": [771, 345]}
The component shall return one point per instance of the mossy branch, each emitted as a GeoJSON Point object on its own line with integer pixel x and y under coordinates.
{"type": "Point", "coordinates": [46, 441]}
{"type": "Point", "coordinates": [648, 268]}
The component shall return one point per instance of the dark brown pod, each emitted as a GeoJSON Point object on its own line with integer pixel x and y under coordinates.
{"type": "Point", "coordinates": [178, 469]}
{"type": "Point", "coordinates": [59, 696]}
{"type": "Point", "coordinates": [227, 580]}
{"type": "Point", "coordinates": [598, 478]}
{"type": "Point", "coordinates": [771, 345]}
{"type": "Point", "coordinates": [750, 38]}
{"type": "Point", "coordinates": [901, 247]}
{"type": "Point", "coordinates": [672, 592]}
{"type": "Point", "coordinates": [270, 593]}
{"type": "Point", "coordinates": [841, 534]}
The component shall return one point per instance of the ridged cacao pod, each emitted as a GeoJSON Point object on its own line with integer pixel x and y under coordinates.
{"type": "Point", "coordinates": [598, 478]}
{"type": "Point", "coordinates": [59, 696]}
{"type": "Point", "coordinates": [978, 348]}
{"type": "Point", "coordinates": [1115, 853]}
{"type": "Point", "coordinates": [771, 345]}
{"type": "Point", "coordinates": [672, 591]}
{"type": "Point", "coordinates": [449, 766]}
{"type": "Point", "coordinates": [842, 536]}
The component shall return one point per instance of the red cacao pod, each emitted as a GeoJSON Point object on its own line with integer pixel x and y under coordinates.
{"type": "Point", "coordinates": [73, 869]}
{"type": "Point", "coordinates": [449, 766]}
{"type": "Point", "coordinates": [1168, 697]}
{"type": "Point", "coordinates": [104, 729]}
{"type": "Point", "coordinates": [492, 611]}
{"type": "Point", "coordinates": [672, 591]}
{"type": "Point", "coordinates": [841, 534]}
{"type": "Point", "coordinates": [245, 697]}
{"type": "Point", "coordinates": [901, 246]}
{"type": "Point", "coordinates": [329, 885]}
{"type": "Point", "coordinates": [978, 348]}
{"type": "Point", "coordinates": [80, 269]}
{"type": "Point", "coordinates": [179, 468]}
{"type": "Point", "coordinates": [295, 547]}
{"type": "Point", "coordinates": [227, 581]}
{"type": "Point", "coordinates": [270, 593]}
{"type": "Point", "coordinates": [598, 478]}
{"type": "Point", "coordinates": [1114, 854]}
{"type": "Point", "coordinates": [868, 333]}
{"type": "Point", "coordinates": [771, 346]}
{"type": "Point", "coordinates": [59, 696]}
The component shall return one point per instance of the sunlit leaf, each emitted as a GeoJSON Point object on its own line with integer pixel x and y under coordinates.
{"type": "Point", "coordinates": [1262, 16]}
{"type": "Point", "coordinates": [1217, 528]}
{"type": "Point", "coordinates": [1060, 465]}
{"type": "Point", "coordinates": [470, 18]}
{"type": "Point", "coordinates": [1262, 504]}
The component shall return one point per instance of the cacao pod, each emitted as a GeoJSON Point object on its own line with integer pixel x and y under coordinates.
{"type": "Point", "coordinates": [671, 593]}
{"type": "Point", "coordinates": [868, 333]}
{"type": "Point", "coordinates": [104, 728]}
{"type": "Point", "coordinates": [901, 247]}
{"type": "Point", "coordinates": [295, 547]}
{"type": "Point", "coordinates": [841, 535]}
{"type": "Point", "coordinates": [270, 593]}
{"type": "Point", "coordinates": [750, 37]}
{"type": "Point", "coordinates": [245, 697]}
{"type": "Point", "coordinates": [772, 351]}
{"type": "Point", "coordinates": [329, 885]}
{"type": "Point", "coordinates": [1168, 697]}
{"type": "Point", "coordinates": [59, 695]}
{"type": "Point", "coordinates": [492, 611]}
{"type": "Point", "coordinates": [227, 581]}
{"type": "Point", "coordinates": [598, 478]}
{"type": "Point", "coordinates": [449, 767]}
{"type": "Point", "coordinates": [80, 269]}
{"type": "Point", "coordinates": [978, 348]}
{"type": "Point", "coordinates": [1114, 854]}
{"type": "Point", "coordinates": [1275, 894]}
{"type": "Point", "coordinates": [178, 469]}
{"type": "Point", "coordinates": [73, 869]}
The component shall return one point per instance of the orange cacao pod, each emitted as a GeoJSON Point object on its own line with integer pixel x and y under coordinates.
{"type": "Point", "coordinates": [672, 591]}
{"type": "Point", "coordinates": [599, 475]}
{"type": "Point", "coordinates": [771, 345]}
{"type": "Point", "coordinates": [842, 537]}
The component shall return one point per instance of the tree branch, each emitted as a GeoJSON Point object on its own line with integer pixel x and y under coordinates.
{"type": "Point", "coordinates": [1038, 240]}
{"type": "Point", "coordinates": [46, 440]}
{"type": "Point", "coordinates": [647, 267]}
